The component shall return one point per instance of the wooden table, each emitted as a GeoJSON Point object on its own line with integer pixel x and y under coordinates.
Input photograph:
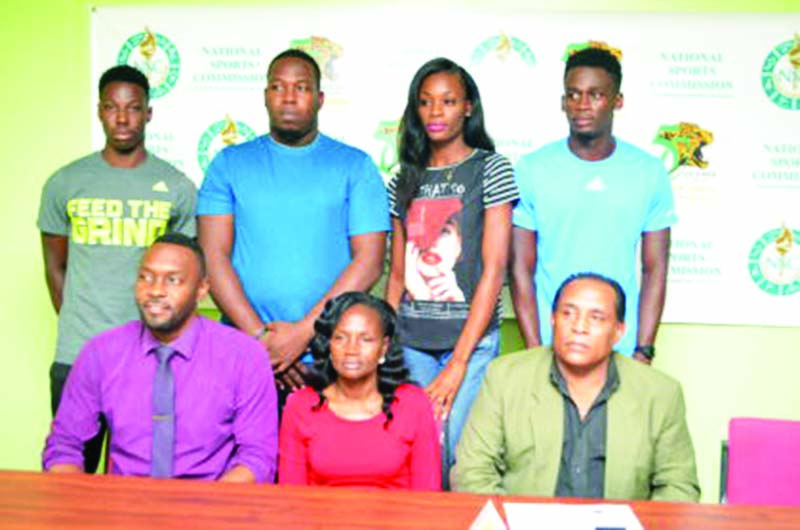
{"type": "Point", "coordinates": [37, 501]}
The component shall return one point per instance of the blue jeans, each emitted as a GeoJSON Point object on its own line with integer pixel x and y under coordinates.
{"type": "Point", "coordinates": [426, 365]}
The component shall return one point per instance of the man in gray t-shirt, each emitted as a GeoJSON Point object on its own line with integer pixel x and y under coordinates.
{"type": "Point", "coordinates": [97, 215]}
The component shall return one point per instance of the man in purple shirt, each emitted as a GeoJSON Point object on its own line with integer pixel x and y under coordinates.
{"type": "Point", "coordinates": [222, 413]}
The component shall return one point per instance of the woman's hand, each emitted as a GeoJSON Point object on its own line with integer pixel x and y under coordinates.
{"type": "Point", "coordinates": [443, 390]}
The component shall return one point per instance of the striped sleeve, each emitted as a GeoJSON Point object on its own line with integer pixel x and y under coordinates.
{"type": "Point", "coordinates": [391, 191]}
{"type": "Point", "coordinates": [498, 181]}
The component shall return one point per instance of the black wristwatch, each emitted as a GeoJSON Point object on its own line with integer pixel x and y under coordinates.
{"type": "Point", "coordinates": [648, 351]}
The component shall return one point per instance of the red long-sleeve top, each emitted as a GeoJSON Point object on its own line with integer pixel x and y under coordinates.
{"type": "Point", "coordinates": [317, 447]}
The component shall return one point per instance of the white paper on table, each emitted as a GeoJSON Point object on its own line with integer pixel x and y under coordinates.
{"type": "Point", "coordinates": [488, 519]}
{"type": "Point", "coordinates": [535, 516]}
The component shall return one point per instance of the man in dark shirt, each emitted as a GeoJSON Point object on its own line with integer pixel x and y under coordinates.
{"type": "Point", "coordinates": [577, 419]}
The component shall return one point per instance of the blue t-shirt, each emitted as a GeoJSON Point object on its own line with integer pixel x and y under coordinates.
{"type": "Point", "coordinates": [590, 216]}
{"type": "Point", "coordinates": [295, 209]}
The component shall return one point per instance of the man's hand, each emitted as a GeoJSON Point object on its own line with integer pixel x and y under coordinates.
{"type": "Point", "coordinates": [293, 377]}
{"type": "Point", "coordinates": [66, 469]}
{"type": "Point", "coordinates": [286, 342]}
{"type": "Point", "coordinates": [239, 474]}
{"type": "Point", "coordinates": [442, 390]}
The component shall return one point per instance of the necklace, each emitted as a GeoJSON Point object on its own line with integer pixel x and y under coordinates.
{"type": "Point", "coordinates": [449, 170]}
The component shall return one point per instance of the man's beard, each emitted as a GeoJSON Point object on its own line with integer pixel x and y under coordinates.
{"type": "Point", "coordinates": [290, 136]}
{"type": "Point", "coordinates": [586, 137]}
{"type": "Point", "coordinates": [173, 323]}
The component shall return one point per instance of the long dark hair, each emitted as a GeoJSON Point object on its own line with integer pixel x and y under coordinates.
{"type": "Point", "coordinates": [392, 372]}
{"type": "Point", "coordinates": [414, 146]}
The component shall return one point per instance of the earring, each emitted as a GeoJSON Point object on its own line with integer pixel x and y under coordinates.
{"type": "Point", "coordinates": [382, 360]}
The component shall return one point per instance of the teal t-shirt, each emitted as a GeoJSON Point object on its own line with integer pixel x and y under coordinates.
{"type": "Point", "coordinates": [109, 216]}
{"type": "Point", "coordinates": [589, 217]}
{"type": "Point", "coordinates": [295, 210]}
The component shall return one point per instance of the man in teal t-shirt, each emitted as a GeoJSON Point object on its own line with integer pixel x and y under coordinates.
{"type": "Point", "coordinates": [290, 219]}
{"type": "Point", "coordinates": [96, 217]}
{"type": "Point", "coordinates": [586, 203]}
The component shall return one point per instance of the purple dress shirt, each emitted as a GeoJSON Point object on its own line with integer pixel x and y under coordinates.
{"type": "Point", "coordinates": [226, 411]}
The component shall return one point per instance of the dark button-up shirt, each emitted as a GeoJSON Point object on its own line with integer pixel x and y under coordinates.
{"type": "Point", "coordinates": [583, 455]}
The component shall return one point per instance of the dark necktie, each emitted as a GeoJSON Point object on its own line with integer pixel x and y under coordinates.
{"type": "Point", "coordinates": [163, 415]}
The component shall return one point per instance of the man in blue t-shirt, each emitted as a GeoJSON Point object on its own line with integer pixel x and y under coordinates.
{"type": "Point", "coordinates": [585, 204]}
{"type": "Point", "coordinates": [290, 219]}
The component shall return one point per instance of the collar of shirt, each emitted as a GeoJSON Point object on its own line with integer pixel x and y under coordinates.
{"type": "Point", "coordinates": [184, 345]}
{"type": "Point", "coordinates": [610, 386]}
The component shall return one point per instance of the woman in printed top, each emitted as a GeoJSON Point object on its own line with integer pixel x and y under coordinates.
{"type": "Point", "coordinates": [359, 422]}
{"type": "Point", "coordinates": [451, 228]}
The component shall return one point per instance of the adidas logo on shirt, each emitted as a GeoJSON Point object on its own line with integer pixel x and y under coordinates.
{"type": "Point", "coordinates": [160, 186]}
{"type": "Point", "coordinates": [596, 184]}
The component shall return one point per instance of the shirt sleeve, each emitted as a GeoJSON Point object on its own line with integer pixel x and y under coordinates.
{"type": "Point", "coordinates": [255, 425]}
{"type": "Point", "coordinates": [523, 215]}
{"type": "Point", "coordinates": [53, 218]}
{"type": "Point", "coordinates": [293, 465]}
{"type": "Point", "coordinates": [216, 192]}
{"type": "Point", "coordinates": [661, 210]}
{"type": "Point", "coordinates": [391, 191]}
{"type": "Point", "coordinates": [185, 208]}
{"type": "Point", "coordinates": [426, 462]}
{"type": "Point", "coordinates": [78, 416]}
{"type": "Point", "coordinates": [498, 181]}
{"type": "Point", "coordinates": [368, 204]}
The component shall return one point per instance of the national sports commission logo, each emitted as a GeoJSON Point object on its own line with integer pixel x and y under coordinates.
{"type": "Point", "coordinates": [156, 56]}
{"type": "Point", "coordinates": [502, 47]}
{"type": "Point", "coordinates": [780, 75]}
{"type": "Point", "coordinates": [683, 145]}
{"type": "Point", "coordinates": [219, 136]}
{"type": "Point", "coordinates": [323, 50]}
{"type": "Point", "coordinates": [774, 262]}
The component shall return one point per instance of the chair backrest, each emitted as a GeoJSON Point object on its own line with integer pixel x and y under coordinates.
{"type": "Point", "coordinates": [763, 462]}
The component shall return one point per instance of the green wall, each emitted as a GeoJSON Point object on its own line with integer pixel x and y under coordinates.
{"type": "Point", "coordinates": [46, 111]}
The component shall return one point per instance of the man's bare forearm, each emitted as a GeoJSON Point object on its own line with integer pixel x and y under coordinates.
{"type": "Point", "coordinates": [54, 253]}
{"type": "Point", "coordinates": [523, 289]}
{"type": "Point", "coordinates": [396, 280]}
{"type": "Point", "coordinates": [227, 292]}
{"type": "Point", "coordinates": [655, 262]}
{"type": "Point", "coordinates": [216, 235]}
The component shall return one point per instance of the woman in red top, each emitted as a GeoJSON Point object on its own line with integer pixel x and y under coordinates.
{"type": "Point", "coordinates": [359, 423]}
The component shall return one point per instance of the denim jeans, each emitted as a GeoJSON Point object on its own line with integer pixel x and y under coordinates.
{"type": "Point", "coordinates": [426, 365]}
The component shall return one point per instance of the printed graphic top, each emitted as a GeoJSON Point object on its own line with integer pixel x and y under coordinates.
{"type": "Point", "coordinates": [444, 233]}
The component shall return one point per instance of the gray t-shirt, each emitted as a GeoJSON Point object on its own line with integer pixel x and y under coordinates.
{"type": "Point", "coordinates": [109, 215]}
